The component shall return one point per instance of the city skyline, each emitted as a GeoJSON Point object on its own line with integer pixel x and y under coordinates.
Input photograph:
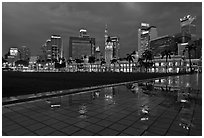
{"type": "Point", "coordinates": [31, 24]}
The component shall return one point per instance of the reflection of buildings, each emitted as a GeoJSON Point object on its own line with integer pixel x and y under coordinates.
{"type": "Point", "coordinates": [81, 46]}
{"type": "Point", "coordinates": [145, 34]}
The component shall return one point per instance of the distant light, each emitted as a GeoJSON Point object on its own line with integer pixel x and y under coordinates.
{"type": "Point", "coordinates": [55, 36]}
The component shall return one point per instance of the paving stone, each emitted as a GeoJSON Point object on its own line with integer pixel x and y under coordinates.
{"type": "Point", "coordinates": [102, 116]}
{"type": "Point", "coordinates": [94, 128]}
{"type": "Point", "coordinates": [50, 122]}
{"type": "Point", "coordinates": [7, 122]}
{"type": "Point", "coordinates": [29, 134]}
{"type": "Point", "coordinates": [71, 120]}
{"type": "Point", "coordinates": [123, 134]}
{"type": "Point", "coordinates": [132, 131]}
{"type": "Point", "coordinates": [44, 131]}
{"type": "Point", "coordinates": [36, 126]}
{"type": "Point", "coordinates": [118, 127]}
{"type": "Point", "coordinates": [82, 133]}
{"type": "Point", "coordinates": [147, 133]}
{"type": "Point", "coordinates": [108, 132]}
{"type": "Point", "coordinates": [194, 132]}
{"type": "Point", "coordinates": [156, 130]}
{"type": "Point", "coordinates": [125, 122]}
{"type": "Point", "coordinates": [82, 124]}
{"type": "Point", "coordinates": [175, 133]}
{"type": "Point", "coordinates": [104, 123]}
{"type": "Point", "coordinates": [17, 132]}
{"type": "Point", "coordinates": [28, 122]}
{"type": "Point", "coordinates": [93, 120]}
{"type": "Point", "coordinates": [57, 133]}
{"type": "Point", "coordinates": [59, 125]}
{"type": "Point", "coordinates": [11, 127]}
{"type": "Point", "coordinates": [69, 130]}
{"type": "Point", "coordinates": [140, 125]}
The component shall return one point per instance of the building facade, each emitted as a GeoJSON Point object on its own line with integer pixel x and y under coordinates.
{"type": "Point", "coordinates": [145, 34]}
{"type": "Point", "coordinates": [24, 53]}
{"type": "Point", "coordinates": [111, 46]}
{"type": "Point", "coordinates": [56, 45]}
{"type": "Point", "coordinates": [187, 26]}
{"type": "Point", "coordinates": [160, 44]}
{"type": "Point", "coordinates": [81, 46]}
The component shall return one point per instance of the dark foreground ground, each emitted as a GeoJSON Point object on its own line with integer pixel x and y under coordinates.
{"type": "Point", "coordinates": [21, 83]}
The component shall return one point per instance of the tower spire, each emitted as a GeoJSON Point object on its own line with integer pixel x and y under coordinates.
{"type": "Point", "coordinates": [106, 34]}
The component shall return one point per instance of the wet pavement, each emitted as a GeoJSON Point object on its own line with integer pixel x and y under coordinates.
{"type": "Point", "coordinates": [169, 106]}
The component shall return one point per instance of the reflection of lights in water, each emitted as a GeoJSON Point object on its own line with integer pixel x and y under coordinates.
{"type": "Point", "coordinates": [144, 118]}
{"type": "Point", "coordinates": [55, 105]}
{"type": "Point", "coordinates": [108, 97]}
{"type": "Point", "coordinates": [184, 101]}
{"type": "Point", "coordinates": [82, 109]}
{"type": "Point", "coordinates": [187, 84]}
{"type": "Point", "coordinates": [185, 124]}
{"type": "Point", "coordinates": [82, 116]}
{"type": "Point", "coordinates": [145, 111]}
{"type": "Point", "coordinates": [97, 94]}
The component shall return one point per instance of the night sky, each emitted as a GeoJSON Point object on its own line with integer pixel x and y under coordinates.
{"type": "Point", "coordinates": [31, 24]}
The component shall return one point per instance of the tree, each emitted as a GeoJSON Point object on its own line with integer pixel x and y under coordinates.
{"type": "Point", "coordinates": [147, 56]}
{"type": "Point", "coordinates": [92, 60]}
{"type": "Point", "coordinates": [166, 53]}
{"type": "Point", "coordinates": [21, 62]}
{"type": "Point", "coordinates": [191, 46]}
{"type": "Point", "coordinates": [114, 61]}
{"type": "Point", "coordinates": [79, 63]}
{"type": "Point", "coordinates": [140, 63]}
{"type": "Point", "coordinates": [130, 58]}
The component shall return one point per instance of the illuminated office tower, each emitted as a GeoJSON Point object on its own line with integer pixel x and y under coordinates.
{"type": "Point", "coordinates": [82, 46]}
{"type": "Point", "coordinates": [188, 27]}
{"type": "Point", "coordinates": [111, 46]}
{"type": "Point", "coordinates": [145, 34]}
{"type": "Point", "coordinates": [56, 44]}
{"type": "Point", "coordinates": [24, 53]}
{"type": "Point", "coordinates": [108, 51]}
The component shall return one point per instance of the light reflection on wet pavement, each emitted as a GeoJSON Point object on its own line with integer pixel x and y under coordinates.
{"type": "Point", "coordinates": [168, 106]}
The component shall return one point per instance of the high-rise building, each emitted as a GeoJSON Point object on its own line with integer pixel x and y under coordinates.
{"type": "Point", "coordinates": [24, 53]}
{"type": "Point", "coordinates": [111, 46]}
{"type": "Point", "coordinates": [81, 46]}
{"type": "Point", "coordinates": [145, 34]}
{"type": "Point", "coordinates": [188, 26]}
{"type": "Point", "coordinates": [97, 53]}
{"type": "Point", "coordinates": [160, 44]}
{"type": "Point", "coordinates": [108, 51]}
{"type": "Point", "coordinates": [47, 50]}
{"type": "Point", "coordinates": [116, 44]}
{"type": "Point", "coordinates": [56, 44]}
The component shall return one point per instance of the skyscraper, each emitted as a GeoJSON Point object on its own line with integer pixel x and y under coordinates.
{"type": "Point", "coordinates": [111, 46]}
{"type": "Point", "coordinates": [56, 44]}
{"type": "Point", "coordinates": [24, 53]}
{"type": "Point", "coordinates": [188, 26]}
{"type": "Point", "coordinates": [82, 46]}
{"type": "Point", "coordinates": [108, 51]}
{"type": "Point", "coordinates": [47, 50]}
{"type": "Point", "coordinates": [145, 34]}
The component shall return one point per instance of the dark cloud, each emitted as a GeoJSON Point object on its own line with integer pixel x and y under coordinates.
{"type": "Point", "coordinates": [31, 24]}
